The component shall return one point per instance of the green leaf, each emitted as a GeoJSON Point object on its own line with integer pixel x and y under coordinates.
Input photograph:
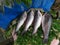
{"type": "Point", "coordinates": [27, 2]}
{"type": "Point", "coordinates": [7, 2]}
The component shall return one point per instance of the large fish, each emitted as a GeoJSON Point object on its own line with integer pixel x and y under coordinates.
{"type": "Point", "coordinates": [37, 21]}
{"type": "Point", "coordinates": [29, 21]}
{"type": "Point", "coordinates": [21, 21]}
{"type": "Point", "coordinates": [46, 24]}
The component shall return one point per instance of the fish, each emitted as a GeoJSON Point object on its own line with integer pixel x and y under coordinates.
{"type": "Point", "coordinates": [37, 21]}
{"type": "Point", "coordinates": [29, 21]}
{"type": "Point", "coordinates": [46, 25]}
{"type": "Point", "coordinates": [21, 21]}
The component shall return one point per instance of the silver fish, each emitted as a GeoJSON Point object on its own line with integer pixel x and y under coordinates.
{"type": "Point", "coordinates": [29, 21]}
{"type": "Point", "coordinates": [21, 21]}
{"type": "Point", "coordinates": [37, 21]}
{"type": "Point", "coordinates": [46, 24]}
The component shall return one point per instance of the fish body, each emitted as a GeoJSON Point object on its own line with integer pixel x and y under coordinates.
{"type": "Point", "coordinates": [37, 21]}
{"type": "Point", "coordinates": [46, 24]}
{"type": "Point", "coordinates": [21, 21]}
{"type": "Point", "coordinates": [29, 21]}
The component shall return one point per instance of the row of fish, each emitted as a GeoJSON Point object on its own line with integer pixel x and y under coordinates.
{"type": "Point", "coordinates": [35, 18]}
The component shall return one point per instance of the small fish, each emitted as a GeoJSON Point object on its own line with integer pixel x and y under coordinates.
{"type": "Point", "coordinates": [37, 21]}
{"type": "Point", "coordinates": [21, 21]}
{"type": "Point", "coordinates": [29, 21]}
{"type": "Point", "coordinates": [46, 24]}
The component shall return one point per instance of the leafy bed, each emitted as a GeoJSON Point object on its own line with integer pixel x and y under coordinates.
{"type": "Point", "coordinates": [36, 39]}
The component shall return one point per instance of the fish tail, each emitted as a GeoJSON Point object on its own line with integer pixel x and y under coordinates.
{"type": "Point", "coordinates": [34, 32]}
{"type": "Point", "coordinates": [45, 41]}
{"type": "Point", "coordinates": [23, 32]}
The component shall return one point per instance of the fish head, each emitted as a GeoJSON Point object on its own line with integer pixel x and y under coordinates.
{"type": "Point", "coordinates": [24, 14]}
{"type": "Point", "coordinates": [47, 17]}
{"type": "Point", "coordinates": [38, 13]}
{"type": "Point", "coordinates": [32, 12]}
